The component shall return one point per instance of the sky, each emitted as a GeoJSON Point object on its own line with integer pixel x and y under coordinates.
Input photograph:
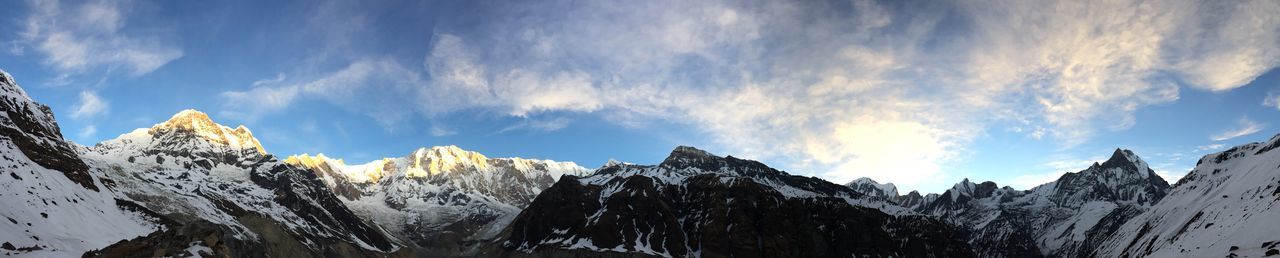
{"type": "Point", "coordinates": [918, 93]}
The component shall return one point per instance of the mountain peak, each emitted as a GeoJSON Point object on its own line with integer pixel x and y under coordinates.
{"type": "Point", "coordinates": [1125, 159]}
{"type": "Point", "coordinates": [611, 163]}
{"type": "Point", "coordinates": [439, 159]}
{"type": "Point", "coordinates": [198, 123]}
{"type": "Point", "coordinates": [686, 153]}
{"type": "Point", "coordinates": [869, 186]}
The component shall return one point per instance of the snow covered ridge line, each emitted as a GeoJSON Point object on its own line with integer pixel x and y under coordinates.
{"type": "Point", "coordinates": [698, 204]}
{"type": "Point", "coordinates": [221, 182]}
{"type": "Point", "coordinates": [31, 127]}
{"type": "Point", "coordinates": [444, 200]}
{"type": "Point", "coordinates": [1227, 206]}
{"type": "Point", "coordinates": [51, 205]}
{"type": "Point", "coordinates": [1069, 217]}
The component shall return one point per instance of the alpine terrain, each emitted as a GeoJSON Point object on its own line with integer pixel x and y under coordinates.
{"type": "Point", "coordinates": [697, 204]}
{"type": "Point", "coordinates": [216, 183]}
{"type": "Point", "coordinates": [189, 186]}
{"type": "Point", "coordinates": [1226, 207]}
{"type": "Point", "coordinates": [444, 200]}
{"type": "Point", "coordinates": [51, 204]}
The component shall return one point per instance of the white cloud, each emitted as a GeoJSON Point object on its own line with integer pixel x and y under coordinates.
{"type": "Point", "coordinates": [89, 106]}
{"type": "Point", "coordinates": [87, 131]}
{"type": "Point", "coordinates": [1272, 100]}
{"type": "Point", "coordinates": [273, 81]}
{"type": "Point", "coordinates": [1209, 147]}
{"type": "Point", "coordinates": [376, 87]}
{"type": "Point", "coordinates": [76, 37]}
{"type": "Point", "coordinates": [836, 89]}
{"type": "Point", "coordinates": [439, 131]}
{"type": "Point", "coordinates": [539, 124]}
{"type": "Point", "coordinates": [1247, 127]}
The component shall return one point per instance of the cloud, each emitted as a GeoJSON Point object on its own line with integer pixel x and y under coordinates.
{"type": "Point", "coordinates": [89, 106]}
{"type": "Point", "coordinates": [1272, 100]}
{"type": "Point", "coordinates": [545, 125]}
{"type": "Point", "coordinates": [439, 131]}
{"type": "Point", "coordinates": [1247, 127]}
{"type": "Point", "coordinates": [375, 87]}
{"type": "Point", "coordinates": [1209, 147]}
{"type": "Point", "coordinates": [279, 78]}
{"type": "Point", "coordinates": [88, 131]}
{"type": "Point", "coordinates": [74, 38]}
{"type": "Point", "coordinates": [839, 89]}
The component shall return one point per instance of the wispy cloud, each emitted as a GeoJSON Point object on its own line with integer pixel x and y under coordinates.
{"type": "Point", "coordinates": [439, 131]}
{"type": "Point", "coordinates": [1246, 127]}
{"type": "Point", "coordinates": [87, 131]}
{"type": "Point", "coordinates": [1272, 100]}
{"type": "Point", "coordinates": [551, 124]}
{"type": "Point", "coordinates": [377, 87]}
{"type": "Point", "coordinates": [90, 105]}
{"type": "Point", "coordinates": [74, 38]}
{"type": "Point", "coordinates": [1209, 147]}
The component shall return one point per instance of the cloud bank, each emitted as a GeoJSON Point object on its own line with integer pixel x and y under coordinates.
{"type": "Point", "coordinates": [840, 89]}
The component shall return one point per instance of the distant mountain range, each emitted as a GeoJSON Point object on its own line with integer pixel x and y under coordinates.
{"type": "Point", "coordinates": [189, 186]}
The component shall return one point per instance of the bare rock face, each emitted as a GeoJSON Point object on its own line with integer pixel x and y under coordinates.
{"type": "Point", "coordinates": [699, 204]}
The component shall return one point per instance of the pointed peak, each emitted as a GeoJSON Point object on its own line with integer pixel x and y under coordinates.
{"type": "Point", "coordinates": [1120, 155]}
{"type": "Point", "coordinates": [612, 163]}
{"type": "Point", "coordinates": [198, 123]}
{"type": "Point", "coordinates": [1124, 158]}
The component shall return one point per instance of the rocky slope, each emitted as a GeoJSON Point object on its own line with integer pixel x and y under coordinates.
{"type": "Point", "coordinates": [218, 183]}
{"type": "Point", "coordinates": [1069, 217]}
{"type": "Point", "coordinates": [1226, 207]}
{"type": "Point", "coordinates": [445, 200]}
{"type": "Point", "coordinates": [889, 192]}
{"type": "Point", "coordinates": [52, 205]}
{"type": "Point", "coordinates": [697, 204]}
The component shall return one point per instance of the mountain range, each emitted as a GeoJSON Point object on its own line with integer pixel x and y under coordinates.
{"type": "Point", "coordinates": [189, 186]}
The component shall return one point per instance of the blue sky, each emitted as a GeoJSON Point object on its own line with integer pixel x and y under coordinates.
{"type": "Point", "coordinates": [919, 93]}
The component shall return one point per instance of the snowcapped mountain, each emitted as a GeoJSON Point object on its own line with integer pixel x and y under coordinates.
{"type": "Point", "coordinates": [445, 200]}
{"type": "Point", "coordinates": [870, 187]}
{"type": "Point", "coordinates": [697, 204]}
{"type": "Point", "coordinates": [52, 205]}
{"type": "Point", "coordinates": [1226, 206]}
{"type": "Point", "coordinates": [1069, 217]}
{"type": "Point", "coordinates": [218, 184]}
